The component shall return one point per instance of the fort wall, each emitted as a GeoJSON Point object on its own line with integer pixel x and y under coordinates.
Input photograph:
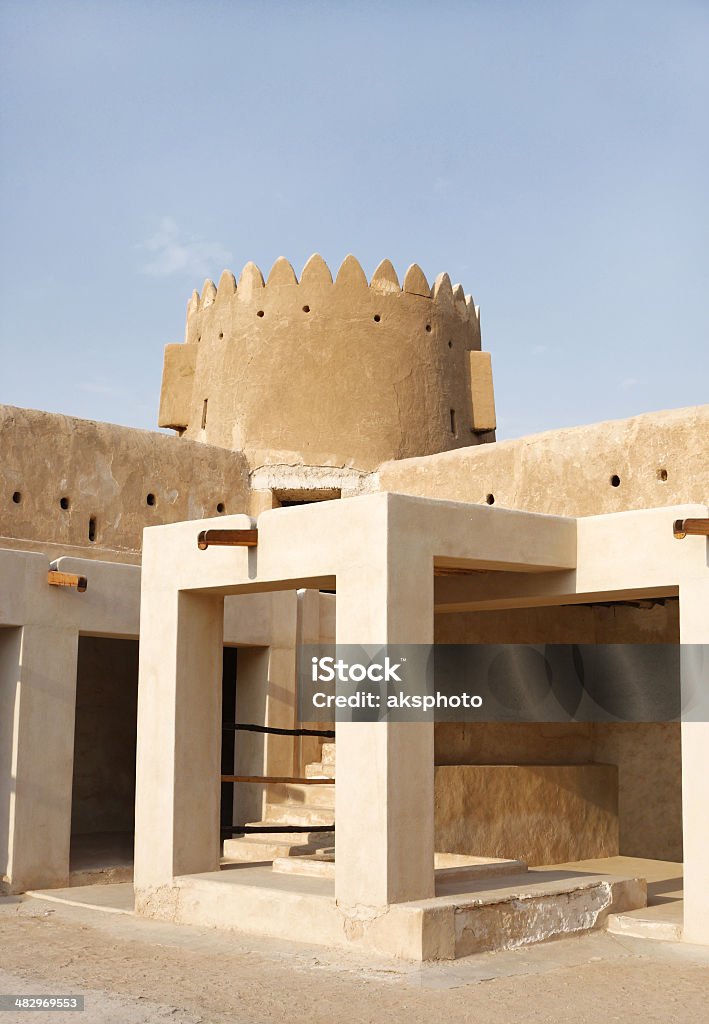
{"type": "Point", "coordinates": [72, 486]}
{"type": "Point", "coordinates": [649, 461]}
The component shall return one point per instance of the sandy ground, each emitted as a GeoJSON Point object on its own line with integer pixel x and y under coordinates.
{"type": "Point", "coordinates": [132, 971]}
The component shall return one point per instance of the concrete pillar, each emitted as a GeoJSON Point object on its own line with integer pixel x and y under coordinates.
{"type": "Point", "coordinates": [179, 733]}
{"type": "Point", "coordinates": [694, 629]}
{"type": "Point", "coordinates": [37, 701]}
{"type": "Point", "coordinates": [384, 792]}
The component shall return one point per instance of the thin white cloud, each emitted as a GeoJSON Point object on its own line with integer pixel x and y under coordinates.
{"type": "Point", "coordinates": [173, 252]}
{"type": "Point", "coordinates": [629, 383]}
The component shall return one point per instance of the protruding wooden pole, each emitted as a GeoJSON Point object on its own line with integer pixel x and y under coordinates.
{"type": "Point", "coordinates": [66, 579]}
{"type": "Point", "coordinates": [227, 539]}
{"type": "Point", "coordinates": [690, 528]}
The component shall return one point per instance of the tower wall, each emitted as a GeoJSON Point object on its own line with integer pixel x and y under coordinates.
{"type": "Point", "coordinates": [318, 373]}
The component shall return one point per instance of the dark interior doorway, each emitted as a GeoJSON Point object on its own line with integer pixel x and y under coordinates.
{"type": "Point", "coordinates": [103, 789]}
{"type": "Point", "coordinates": [229, 663]}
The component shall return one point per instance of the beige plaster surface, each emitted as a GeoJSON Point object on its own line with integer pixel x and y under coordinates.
{"type": "Point", "coordinates": [39, 642]}
{"type": "Point", "coordinates": [694, 629]}
{"type": "Point", "coordinates": [370, 545]}
{"type": "Point", "coordinates": [336, 540]}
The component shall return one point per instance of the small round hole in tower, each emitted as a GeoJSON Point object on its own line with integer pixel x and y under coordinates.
{"type": "Point", "coordinates": [221, 335]}
{"type": "Point", "coordinates": [260, 313]}
{"type": "Point", "coordinates": [306, 309]}
{"type": "Point", "coordinates": [490, 499]}
{"type": "Point", "coordinates": [64, 503]}
{"type": "Point", "coordinates": [428, 328]}
{"type": "Point", "coordinates": [150, 499]}
{"type": "Point", "coordinates": [615, 480]}
{"type": "Point", "coordinates": [17, 497]}
{"type": "Point", "coordinates": [220, 507]}
{"type": "Point", "coordinates": [662, 475]}
{"type": "Point", "coordinates": [450, 344]}
{"type": "Point", "coordinates": [377, 318]}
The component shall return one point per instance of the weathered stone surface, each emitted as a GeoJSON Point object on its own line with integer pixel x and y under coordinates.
{"type": "Point", "coordinates": [483, 396]}
{"type": "Point", "coordinates": [539, 814]}
{"type": "Point", "coordinates": [510, 918]}
{"type": "Point", "coordinates": [660, 458]}
{"type": "Point", "coordinates": [104, 473]}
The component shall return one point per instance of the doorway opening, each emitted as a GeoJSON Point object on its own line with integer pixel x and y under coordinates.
{"type": "Point", "coordinates": [103, 787]}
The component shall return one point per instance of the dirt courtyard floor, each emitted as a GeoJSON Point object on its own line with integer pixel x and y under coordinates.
{"type": "Point", "coordinates": [131, 970]}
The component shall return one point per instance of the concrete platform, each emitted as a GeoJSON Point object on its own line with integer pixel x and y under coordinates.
{"type": "Point", "coordinates": [465, 916]}
{"type": "Point", "coordinates": [111, 899]}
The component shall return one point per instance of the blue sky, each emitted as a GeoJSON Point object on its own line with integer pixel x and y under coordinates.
{"type": "Point", "coordinates": [552, 157]}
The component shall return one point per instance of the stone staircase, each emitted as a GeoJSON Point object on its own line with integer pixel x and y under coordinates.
{"type": "Point", "coordinates": [292, 804]}
{"type": "Point", "coordinates": [325, 767]}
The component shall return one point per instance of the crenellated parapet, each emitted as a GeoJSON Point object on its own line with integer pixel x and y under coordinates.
{"type": "Point", "coordinates": [343, 372]}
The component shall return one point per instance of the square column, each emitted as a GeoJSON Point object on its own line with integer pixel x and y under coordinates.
{"type": "Point", "coordinates": [179, 733]}
{"type": "Point", "coordinates": [38, 665]}
{"type": "Point", "coordinates": [694, 629]}
{"type": "Point", "coordinates": [385, 773]}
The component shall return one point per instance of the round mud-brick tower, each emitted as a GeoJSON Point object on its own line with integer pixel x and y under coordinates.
{"type": "Point", "coordinates": [332, 374]}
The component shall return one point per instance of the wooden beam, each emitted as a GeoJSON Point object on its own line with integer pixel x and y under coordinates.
{"type": "Point", "coordinates": [227, 539]}
{"type": "Point", "coordinates": [690, 528]}
{"type": "Point", "coordinates": [267, 779]}
{"type": "Point", "coordinates": [66, 579]}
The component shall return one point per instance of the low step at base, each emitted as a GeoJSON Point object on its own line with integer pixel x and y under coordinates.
{"type": "Point", "coordinates": [480, 916]}
{"type": "Point", "coordinates": [662, 922]}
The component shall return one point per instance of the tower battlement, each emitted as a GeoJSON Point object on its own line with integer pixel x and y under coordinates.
{"type": "Point", "coordinates": [333, 373]}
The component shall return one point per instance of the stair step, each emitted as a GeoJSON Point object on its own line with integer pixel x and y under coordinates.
{"type": "Point", "coordinates": [662, 922]}
{"type": "Point", "coordinates": [314, 865]}
{"type": "Point", "coordinates": [297, 814]}
{"type": "Point", "coordinates": [272, 845]}
{"type": "Point", "coordinates": [318, 770]}
{"type": "Point", "coordinates": [301, 796]}
{"type": "Point", "coordinates": [327, 754]}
